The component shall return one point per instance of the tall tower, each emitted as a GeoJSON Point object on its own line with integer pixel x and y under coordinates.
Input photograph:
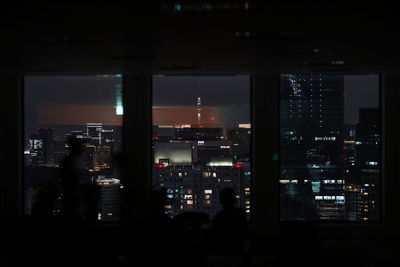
{"type": "Point", "coordinates": [198, 109]}
{"type": "Point", "coordinates": [198, 104]}
{"type": "Point", "coordinates": [312, 154]}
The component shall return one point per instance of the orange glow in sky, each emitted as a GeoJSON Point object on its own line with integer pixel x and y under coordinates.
{"type": "Point", "coordinates": [77, 115]}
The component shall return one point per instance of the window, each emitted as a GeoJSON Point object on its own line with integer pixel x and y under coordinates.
{"type": "Point", "coordinates": [202, 127]}
{"type": "Point", "coordinates": [330, 147]}
{"type": "Point", "coordinates": [61, 111]}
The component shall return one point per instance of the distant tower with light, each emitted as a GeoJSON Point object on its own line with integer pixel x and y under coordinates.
{"type": "Point", "coordinates": [198, 109]}
{"type": "Point", "coordinates": [198, 104]}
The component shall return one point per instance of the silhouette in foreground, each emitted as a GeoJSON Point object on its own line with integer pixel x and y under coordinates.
{"type": "Point", "coordinates": [229, 229]}
{"type": "Point", "coordinates": [154, 235]}
{"type": "Point", "coordinates": [79, 200]}
{"type": "Point", "coordinates": [69, 181]}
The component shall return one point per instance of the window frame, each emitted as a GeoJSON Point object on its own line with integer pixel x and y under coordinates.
{"type": "Point", "coordinates": [265, 222]}
{"type": "Point", "coordinates": [380, 221]}
{"type": "Point", "coordinates": [251, 112]}
{"type": "Point", "coordinates": [21, 162]}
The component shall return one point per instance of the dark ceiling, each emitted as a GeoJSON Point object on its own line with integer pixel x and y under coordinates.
{"type": "Point", "coordinates": [198, 37]}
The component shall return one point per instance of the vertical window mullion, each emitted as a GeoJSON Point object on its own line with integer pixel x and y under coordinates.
{"type": "Point", "coordinates": [137, 144]}
{"type": "Point", "coordinates": [265, 115]}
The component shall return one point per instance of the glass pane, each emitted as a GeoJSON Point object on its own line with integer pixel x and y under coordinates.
{"type": "Point", "coordinates": [201, 141]}
{"type": "Point", "coordinates": [73, 129]}
{"type": "Point", "coordinates": [330, 148]}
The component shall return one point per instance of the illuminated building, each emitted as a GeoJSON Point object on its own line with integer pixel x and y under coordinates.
{"type": "Point", "coordinates": [41, 147]}
{"type": "Point", "coordinates": [212, 151]}
{"type": "Point", "coordinates": [107, 136]}
{"type": "Point", "coordinates": [102, 158]}
{"type": "Point", "coordinates": [200, 132]}
{"type": "Point", "coordinates": [197, 189]}
{"type": "Point", "coordinates": [194, 171]}
{"type": "Point", "coordinates": [368, 162]}
{"type": "Point", "coordinates": [312, 118]}
{"type": "Point", "coordinates": [109, 206]}
{"type": "Point", "coordinates": [175, 152]}
{"type": "Point", "coordinates": [35, 150]}
{"type": "Point", "coordinates": [94, 130]}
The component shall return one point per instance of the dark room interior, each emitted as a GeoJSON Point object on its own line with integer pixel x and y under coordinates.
{"type": "Point", "coordinates": [200, 133]}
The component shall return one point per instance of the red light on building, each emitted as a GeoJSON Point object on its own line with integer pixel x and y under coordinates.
{"type": "Point", "coordinates": [201, 126]}
{"type": "Point", "coordinates": [160, 75]}
{"type": "Point", "coordinates": [212, 118]}
{"type": "Point", "coordinates": [158, 165]}
{"type": "Point", "coordinates": [239, 165]}
{"type": "Point", "coordinates": [343, 94]}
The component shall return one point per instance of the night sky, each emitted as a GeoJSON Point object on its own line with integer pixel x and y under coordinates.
{"type": "Point", "coordinates": [362, 91]}
{"type": "Point", "coordinates": [72, 100]}
{"type": "Point", "coordinates": [63, 100]}
{"type": "Point", "coordinates": [225, 99]}
{"type": "Point", "coordinates": [214, 90]}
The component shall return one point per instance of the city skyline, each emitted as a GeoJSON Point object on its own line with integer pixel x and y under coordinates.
{"type": "Point", "coordinates": [203, 114]}
{"type": "Point", "coordinates": [97, 103]}
{"type": "Point", "coordinates": [329, 169]}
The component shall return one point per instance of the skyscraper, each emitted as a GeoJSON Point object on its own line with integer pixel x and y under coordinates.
{"type": "Point", "coordinates": [94, 130]}
{"type": "Point", "coordinates": [312, 159]}
{"type": "Point", "coordinates": [109, 206]}
{"type": "Point", "coordinates": [368, 162]}
{"type": "Point", "coordinates": [41, 147]}
{"type": "Point", "coordinates": [240, 138]}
